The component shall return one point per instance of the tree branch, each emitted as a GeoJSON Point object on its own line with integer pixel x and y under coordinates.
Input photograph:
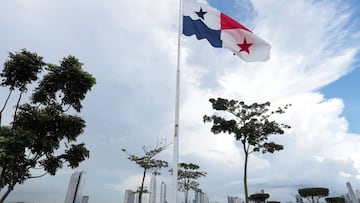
{"type": "Point", "coordinates": [39, 176]}
{"type": "Point", "coordinates": [16, 107]}
{"type": "Point", "coordinates": [3, 108]}
{"type": "Point", "coordinates": [6, 101]}
{"type": "Point", "coordinates": [9, 189]}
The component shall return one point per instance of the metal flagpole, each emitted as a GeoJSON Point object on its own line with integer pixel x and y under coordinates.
{"type": "Point", "coordinates": [177, 100]}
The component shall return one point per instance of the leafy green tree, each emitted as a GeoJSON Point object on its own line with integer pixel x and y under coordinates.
{"type": "Point", "coordinates": [272, 201]}
{"type": "Point", "coordinates": [188, 173]}
{"type": "Point", "coordinates": [335, 200]}
{"type": "Point", "coordinates": [259, 197]}
{"type": "Point", "coordinates": [250, 125]}
{"type": "Point", "coordinates": [42, 133]}
{"type": "Point", "coordinates": [313, 194]}
{"type": "Point", "coordinates": [148, 163]}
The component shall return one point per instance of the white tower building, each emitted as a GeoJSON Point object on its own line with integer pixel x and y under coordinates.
{"type": "Point", "coordinates": [351, 193]}
{"type": "Point", "coordinates": [85, 199]}
{"type": "Point", "coordinates": [129, 196]}
{"type": "Point", "coordinates": [152, 193]}
{"type": "Point", "coordinates": [74, 192]}
{"type": "Point", "coordinates": [201, 197]}
{"type": "Point", "coordinates": [163, 193]}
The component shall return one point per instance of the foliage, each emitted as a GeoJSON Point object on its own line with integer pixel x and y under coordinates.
{"type": "Point", "coordinates": [188, 173]}
{"type": "Point", "coordinates": [313, 194]}
{"type": "Point", "coordinates": [272, 202]}
{"type": "Point", "coordinates": [148, 163]}
{"type": "Point", "coordinates": [335, 200]}
{"type": "Point", "coordinates": [41, 134]}
{"type": "Point", "coordinates": [259, 197]}
{"type": "Point", "coordinates": [250, 125]}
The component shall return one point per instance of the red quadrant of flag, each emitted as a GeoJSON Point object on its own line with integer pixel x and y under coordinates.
{"type": "Point", "coordinates": [229, 23]}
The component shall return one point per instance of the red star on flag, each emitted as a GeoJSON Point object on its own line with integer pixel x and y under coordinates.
{"type": "Point", "coordinates": [245, 46]}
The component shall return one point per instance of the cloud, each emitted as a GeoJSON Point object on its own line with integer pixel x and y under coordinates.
{"type": "Point", "coordinates": [130, 183]}
{"type": "Point", "coordinates": [130, 47]}
{"type": "Point", "coordinates": [309, 51]}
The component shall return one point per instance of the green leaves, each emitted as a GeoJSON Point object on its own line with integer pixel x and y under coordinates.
{"type": "Point", "coordinates": [188, 173]}
{"type": "Point", "coordinates": [259, 197]}
{"type": "Point", "coordinates": [335, 200]}
{"type": "Point", "coordinates": [148, 163]}
{"type": "Point", "coordinates": [249, 124]}
{"type": "Point", "coordinates": [67, 83]}
{"type": "Point", "coordinates": [76, 154]}
{"type": "Point", "coordinates": [313, 194]}
{"type": "Point", "coordinates": [43, 128]}
{"type": "Point", "coordinates": [42, 135]}
{"type": "Point", "coordinates": [147, 160]}
{"type": "Point", "coordinates": [21, 69]}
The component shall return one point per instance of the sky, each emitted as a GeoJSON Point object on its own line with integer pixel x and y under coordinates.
{"type": "Point", "coordinates": [130, 47]}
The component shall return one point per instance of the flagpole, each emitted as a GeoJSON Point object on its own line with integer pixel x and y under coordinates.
{"type": "Point", "coordinates": [177, 107]}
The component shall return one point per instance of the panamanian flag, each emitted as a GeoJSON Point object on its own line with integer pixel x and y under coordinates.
{"type": "Point", "coordinates": [206, 22]}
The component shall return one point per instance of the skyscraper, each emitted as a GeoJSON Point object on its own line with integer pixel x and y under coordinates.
{"type": "Point", "coordinates": [152, 193]}
{"type": "Point", "coordinates": [351, 193]}
{"type": "Point", "coordinates": [163, 193]}
{"type": "Point", "coordinates": [234, 199]}
{"type": "Point", "coordinates": [357, 194]}
{"type": "Point", "coordinates": [85, 199]}
{"type": "Point", "coordinates": [129, 196]}
{"type": "Point", "coordinates": [231, 199]}
{"type": "Point", "coordinates": [74, 192]}
{"type": "Point", "coordinates": [201, 197]}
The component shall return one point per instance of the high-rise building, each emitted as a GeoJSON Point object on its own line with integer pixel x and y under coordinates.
{"type": "Point", "coordinates": [85, 199]}
{"type": "Point", "coordinates": [353, 198]}
{"type": "Point", "coordinates": [231, 199]}
{"type": "Point", "coordinates": [357, 194]}
{"type": "Point", "coordinates": [152, 193]}
{"type": "Point", "coordinates": [234, 199]}
{"type": "Point", "coordinates": [129, 196]}
{"type": "Point", "coordinates": [76, 185]}
{"type": "Point", "coordinates": [163, 193]}
{"type": "Point", "coordinates": [201, 197]}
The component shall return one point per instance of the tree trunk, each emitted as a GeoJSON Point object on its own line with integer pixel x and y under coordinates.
{"type": "Point", "coordinates": [141, 188]}
{"type": "Point", "coordinates": [6, 194]}
{"type": "Point", "coordinates": [245, 178]}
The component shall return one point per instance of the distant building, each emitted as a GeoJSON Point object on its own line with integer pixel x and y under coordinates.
{"type": "Point", "coordinates": [152, 193]}
{"type": "Point", "coordinates": [85, 199]}
{"type": "Point", "coordinates": [201, 198]}
{"type": "Point", "coordinates": [234, 199]}
{"type": "Point", "coordinates": [357, 194]}
{"type": "Point", "coordinates": [352, 197]}
{"type": "Point", "coordinates": [129, 196]}
{"type": "Point", "coordinates": [163, 193]}
{"type": "Point", "coordinates": [76, 185]}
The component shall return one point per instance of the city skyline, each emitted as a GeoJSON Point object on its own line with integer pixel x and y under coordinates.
{"type": "Point", "coordinates": [130, 47]}
{"type": "Point", "coordinates": [202, 197]}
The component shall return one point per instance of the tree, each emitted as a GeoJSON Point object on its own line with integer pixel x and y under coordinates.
{"type": "Point", "coordinates": [188, 173]}
{"type": "Point", "coordinates": [259, 197]}
{"type": "Point", "coordinates": [148, 163]}
{"type": "Point", "coordinates": [249, 124]}
{"type": "Point", "coordinates": [42, 134]}
{"type": "Point", "coordinates": [313, 194]}
{"type": "Point", "coordinates": [335, 200]}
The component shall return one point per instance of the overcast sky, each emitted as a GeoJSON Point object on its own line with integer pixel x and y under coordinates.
{"type": "Point", "coordinates": [130, 47]}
